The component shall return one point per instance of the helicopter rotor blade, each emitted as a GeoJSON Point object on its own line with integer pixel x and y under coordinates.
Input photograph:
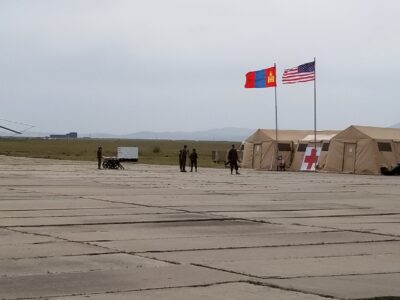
{"type": "Point", "coordinates": [9, 129]}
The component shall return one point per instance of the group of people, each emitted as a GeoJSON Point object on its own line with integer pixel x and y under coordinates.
{"type": "Point", "coordinates": [233, 159]}
{"type": "Point", "coordinates": [183, 154]}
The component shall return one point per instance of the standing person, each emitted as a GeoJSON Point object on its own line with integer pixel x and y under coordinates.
{"type": "Point", "coordinates": [180, 160]}
{"type": "Point", "coordinates": [183, 155]}
{"type": "Point", "coordinates": [233, 158]}
{"type": "Point", "coordinates": [193, 160]}
{"type": "Point", "coordinates": [99, 157]}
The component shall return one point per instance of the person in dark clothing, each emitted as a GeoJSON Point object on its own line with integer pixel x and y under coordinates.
{"type": "Point", "coordinates": [193, 160]}
{"type": "Point", "coordinates": [183, 156]}
{"type": "Point", "coordinates": [233, 158]}
{"type": "Point", "coordinates": [180, 160]}
{"type": "Point", "coordinates": [99, 157]}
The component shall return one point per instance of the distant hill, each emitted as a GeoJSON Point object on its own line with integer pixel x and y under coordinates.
{"type": "Point", "coordinates": [218, 134]}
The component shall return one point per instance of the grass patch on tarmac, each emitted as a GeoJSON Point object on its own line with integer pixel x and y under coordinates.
{"type": "Point", "coordinates": [162, 152]}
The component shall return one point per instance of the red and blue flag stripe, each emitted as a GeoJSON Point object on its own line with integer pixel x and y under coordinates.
{"type": "Point", "coordinates": [261, 79]}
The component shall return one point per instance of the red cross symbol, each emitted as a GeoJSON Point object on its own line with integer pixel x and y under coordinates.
{"type": "Point", "coordinates": [311, 159]}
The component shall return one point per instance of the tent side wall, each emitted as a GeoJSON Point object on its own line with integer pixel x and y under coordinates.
{"type": "Point", "coordinates": [323, 155]}
{"type": "Point", "coordinates": [285, 152]}
{"type": "Point", "coordinates": [397, 150]}
{"type": "Point", "coordinates": [367, 157]}
{"type": "Point", "coordinates": [262, 156]}
{"type": "Point", "coordinates": [334, 158]}
{"type": "Point", "coordinates": [298, 156]}
{"type": "Point", "coordinates": [259, 156]}
{"type": "Point", "coordinates": [253, 149]}
{"type": "Point", "coordinates": [248, 154]}
{"type": "Point", "coordinates": [388, 156]}
{"type": "Point", "coordinates": [271, 152]}
{"type": "Point", "coordinates": [370, 157]}
{"type": "Point", "coordinates": [268, 157]}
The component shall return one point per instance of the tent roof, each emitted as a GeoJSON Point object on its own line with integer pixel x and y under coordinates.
{"type": "Point", "coordinates": [290, 135]}
{"type": "Point", "coordinates": [258, 136]}
{"type": "Point", "coordinates": [262, 135]}
{"type": "Point", "coordinates": [379, 133]}
{"type": "Point", "coordinates": [323, 136]}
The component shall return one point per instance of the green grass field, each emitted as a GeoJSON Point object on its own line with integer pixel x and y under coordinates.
{"type": "Point", "coordinates": [163, 152]}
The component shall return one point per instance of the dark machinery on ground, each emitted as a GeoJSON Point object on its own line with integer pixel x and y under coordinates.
{"type": "Point", "coordinates": [112, 163]}
{"type": "Point", "coordinates": [391, 172]}
{"type": "Point", "coordinates": [130, 154]}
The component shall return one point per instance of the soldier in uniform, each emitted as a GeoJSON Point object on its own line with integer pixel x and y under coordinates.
{"type": "Point", "coordinates": [99, 157]}
{"type": "Point", "coordinates": [182, 158]}
{"type": "Point", "coordinates": [233, 158]}
{"type": "Point", "coordinates": [193, 160]}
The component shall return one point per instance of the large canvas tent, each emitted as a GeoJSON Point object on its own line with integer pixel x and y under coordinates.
{"type": "Point", "coordinates": [363, 150]}
{"type": "Point", "coordinates": [262, 150]}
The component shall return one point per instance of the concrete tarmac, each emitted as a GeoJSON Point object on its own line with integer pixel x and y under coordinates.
{"type": "Point", "coordinates": [70, 231]}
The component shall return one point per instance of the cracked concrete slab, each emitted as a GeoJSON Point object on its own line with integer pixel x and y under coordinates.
{"type": "Point", "coordinates": [104, 219]}
{"type": "Point", "coordinates": [348, 287]}
{"type": "Point", "coordinates": [74, 212]}
{"type": "Point", "coordinates": [315, 214]}
{"type": "Point", "coordinates": [10, 237]}
{"type": "Point", "coordinates": [270, 206]}
{"type": "Point", "coordinates": [332, 221]}
{"type": "Point", "coordinates": [237, 240]}
{"type": "Point", "coordinates": [108, 281]}
{"type": "Point", "coordinates": [74, 264]}
{"type": "Point", "coordinates": [168, 230]}
{"type": "Point", "coordinates": [56, 203]}
{"type": "Point", "coordinates": [226, 201]}
{"type": "Point", "coordinates": [384, 228]}
{"type": "Point", "coordinates": [47, 249]}
{"type": "Point", "coordinates": [315, 267]}
{"type": "Point", "coordinates": [253, 256]}
{"type": "Point", "coordinates": [227, 291]}
{"type": "Point", "coordinates": [68, 230]}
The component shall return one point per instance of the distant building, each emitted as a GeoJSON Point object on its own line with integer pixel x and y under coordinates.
{"type": "Point", "coordinates": [71, 135]}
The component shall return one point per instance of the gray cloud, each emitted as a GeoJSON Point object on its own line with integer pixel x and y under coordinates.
{"type": "Point", "coordinates": [124, 66]}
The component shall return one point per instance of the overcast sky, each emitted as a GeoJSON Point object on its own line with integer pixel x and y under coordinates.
{"type": "Point", "coordinates": [121, 66]}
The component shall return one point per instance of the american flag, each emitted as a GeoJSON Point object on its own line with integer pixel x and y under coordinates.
{"type": "Point", "coordinates": [302, 73]}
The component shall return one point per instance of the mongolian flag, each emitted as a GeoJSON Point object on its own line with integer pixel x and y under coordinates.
{"type": "Point", "coordinates": [261, 79]}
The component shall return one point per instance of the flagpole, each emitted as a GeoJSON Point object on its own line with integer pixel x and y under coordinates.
{"type": "Point", "coordinates": [315, 112]}
{"type": "Point", "coordinates": [276, 122]}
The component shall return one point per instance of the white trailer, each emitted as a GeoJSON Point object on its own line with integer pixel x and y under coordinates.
{"type": "Point", "coordinates": [128, 154]}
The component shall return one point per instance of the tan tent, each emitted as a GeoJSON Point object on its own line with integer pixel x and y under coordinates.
{"type": "Point", "coordinates": [323, 139]}
{"type": "Point", "coordinates": [261, 150]}
{"type": "Point", "coordinates": [363, 150]}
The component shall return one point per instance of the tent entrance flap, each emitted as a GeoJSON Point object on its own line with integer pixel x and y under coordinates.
{"type": "Point", "coordinates": [257, 156]}
{"type": "Point", "coordinates": [349, 157]}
